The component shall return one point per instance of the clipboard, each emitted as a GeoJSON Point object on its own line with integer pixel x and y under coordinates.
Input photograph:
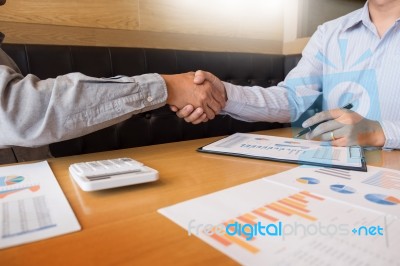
{"type": "Point", "coordinates": [289, 150]}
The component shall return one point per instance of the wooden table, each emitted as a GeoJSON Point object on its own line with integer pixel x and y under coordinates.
{"type": "Point", "coordinates": [122, 227]}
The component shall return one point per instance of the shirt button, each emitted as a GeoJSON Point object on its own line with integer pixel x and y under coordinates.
{"type": "Point", "coordinates": [149, 99]}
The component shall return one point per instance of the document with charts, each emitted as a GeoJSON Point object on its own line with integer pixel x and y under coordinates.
{"type": "Point", "coordinates": [289, 150]}
{"type": "Point", "coordinates": [32, 205]}
{"type": "Point", "coordinates": [316, 216]}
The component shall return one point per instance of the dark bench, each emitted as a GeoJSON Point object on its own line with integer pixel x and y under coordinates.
{"type": "Point", "coordinates": [161, 125]}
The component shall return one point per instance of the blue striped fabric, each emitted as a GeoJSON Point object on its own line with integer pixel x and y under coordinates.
{"type": "Point", "coordinates": [345, 61]}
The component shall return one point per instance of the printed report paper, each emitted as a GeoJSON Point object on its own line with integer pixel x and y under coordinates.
{"type": "Point", "coordinates": [32, 205]}
{"type": "Point", "coordinates": [314, 216]}
{"type": "Point", "coordinates": [289, 150]}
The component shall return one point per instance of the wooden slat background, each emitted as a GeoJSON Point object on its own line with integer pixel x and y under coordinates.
{"type": "Point", "coordinates": [214, 25]}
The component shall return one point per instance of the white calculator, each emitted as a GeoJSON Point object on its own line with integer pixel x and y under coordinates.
{"type": "Point", "coordinates": [97, 175]}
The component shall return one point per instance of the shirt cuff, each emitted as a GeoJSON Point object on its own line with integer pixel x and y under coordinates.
{"type": "Point", "coordinates": [235, 103]}
{"type": "Point", "coordinates": [153, 89]}
{"type": "Point", "coordinates": [392, 134]}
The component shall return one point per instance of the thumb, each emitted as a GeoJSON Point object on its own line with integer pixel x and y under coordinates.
{"type": "Point", "coordinates": [199, 77]}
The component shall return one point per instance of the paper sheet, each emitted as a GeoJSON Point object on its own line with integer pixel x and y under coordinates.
{"type": "Point", "coordinates": [32, 205]}
{"type": "Point", "coordinates": [288, 149]}
{"type": "Point", "coordinates": [312, 210]}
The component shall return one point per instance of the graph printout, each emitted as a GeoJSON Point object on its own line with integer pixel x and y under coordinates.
{"type": "Point", "coordinates": [32, 205]}
{"type": "Point", "coordinates": [289, 150]}
{"type": "Point", "coordinates": [313, 215]}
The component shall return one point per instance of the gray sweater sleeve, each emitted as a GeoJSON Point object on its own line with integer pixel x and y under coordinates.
{"type": "Point", "coordinates": [36, 112]}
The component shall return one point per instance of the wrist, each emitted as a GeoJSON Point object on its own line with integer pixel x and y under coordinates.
{"type": "Point", "coordinates": [168, 79]}
{"type": "Point", "coordinates": [377, 137]}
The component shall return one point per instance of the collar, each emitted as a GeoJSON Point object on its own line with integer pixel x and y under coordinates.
{"type": "Point", "coordinates": [359, 17]}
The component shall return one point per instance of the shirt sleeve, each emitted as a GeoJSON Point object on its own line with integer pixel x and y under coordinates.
{"type": "Point", "coordinates": [391, 130]}
{"type": "Point", "coordinates": [286, 101]}
{"type": "Point", "coordinates": [36, 112]}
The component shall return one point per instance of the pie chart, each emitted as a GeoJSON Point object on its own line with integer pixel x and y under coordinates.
{"type": "Point", "coordinates": [308, 180]}
{"type": "Point", "coordinates": [382, 199]}
{"type": "Point", "coordinates": [342, 189]}
{"type": "Point", "coordinates": [10, 180]}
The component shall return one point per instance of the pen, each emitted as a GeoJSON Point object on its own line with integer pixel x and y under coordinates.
{"type": "Point", "coordinates": [309, 129]}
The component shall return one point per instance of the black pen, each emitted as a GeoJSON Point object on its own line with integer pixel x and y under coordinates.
{"type": "Point", "coordinates": [309, 129]}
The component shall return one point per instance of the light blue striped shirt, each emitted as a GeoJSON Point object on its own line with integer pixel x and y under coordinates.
{"type": "Point", "coordinates": [345, 61]}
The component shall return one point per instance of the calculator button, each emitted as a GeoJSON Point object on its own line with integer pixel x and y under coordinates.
{"type": "Point", "coordinates": [82, 167]}
{"type": "Point", "coordinates": [95, 165]}
{"type": "Point", "coordinates": [106, 163]}
{"type": "Point", "coordinates": [117, 162]}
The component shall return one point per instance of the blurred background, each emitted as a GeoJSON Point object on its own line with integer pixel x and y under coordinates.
{"type": "Point", "coordinates": [260, 26]}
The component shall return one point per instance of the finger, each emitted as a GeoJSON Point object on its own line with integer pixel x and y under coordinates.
{"type": "Point", "coordinates": [214, 105]}
{"type": "Point", "coordinates": [173, 108]}
{"type": "Point", "coordinates": [219, 97]}
{"type": "Point", "coordinates": [196, 116]}
{"type": "Point", "coordinates": [324, 128]}
{"type": "Point", "coordinates": [344, 138]}
{"type": "Point", "coordinates": [330, 136]}
{"type": "Point", "coordinates": [199, 77]}
{"type": "Point", "coordinates": [335, 135]}
{"type": "Point", "coordinates": [209, 112]}
{"type": "Point", "coordinates": [217, 87]}
{"type": "Point", "coordinates": [323, 116]}
{"type": "Point", "coordinates": [185, 111]}
{"type": "Point", "coordinates": [199, 120]}
{"type": "Point", "coordinates": [342, 142]}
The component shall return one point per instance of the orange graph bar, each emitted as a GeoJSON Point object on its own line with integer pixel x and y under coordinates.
{"type": "Point", "coordinates": [295, 206]}
{"type": "Point", "coordinates": [260, 213]}
{"type": "Point", "coordinates": [272, 207]}
{"type": "Point", "coordinates": [245, 219]}
{"type": "Point", "coordinates": [286, 209]}
{"type": "Point", "coordinates": [294, 202]}
{"type": "Point", "coordinates": [298, 198]}
{"type": "Point", "coordinates": [250, 216]}
{"type": "Point", "coordinates": [311, 195]}
{"type": "Point", "coordinates": [242, 243]}
{"type": "Point", "coordinates": [221, 239]}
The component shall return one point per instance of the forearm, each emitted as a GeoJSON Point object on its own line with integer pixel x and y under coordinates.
{"type": "Point", "coordinates": [35, 112]}
{"type": "Point", "coordinates": [273, 104]}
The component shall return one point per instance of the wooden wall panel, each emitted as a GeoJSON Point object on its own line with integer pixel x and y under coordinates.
{"type": "Point", "coordinates": [59, 35]}
{"type": "Point", "coordinates": [255, 19]}
{"type": "Point", "coordinates": [214, 25]}
{"type": "Point", "coordinates": [116, 14]}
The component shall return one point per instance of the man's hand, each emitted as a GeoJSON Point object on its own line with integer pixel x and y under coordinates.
{"type": "Point", "coordinates": [182, 92]}
{"type": "Point", "coordinates": [345, 128]}
{"type": "Point", "coordinates": [197, 115]}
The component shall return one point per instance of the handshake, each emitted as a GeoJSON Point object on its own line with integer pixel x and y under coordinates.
{"type": "Point", "coordinates": [196, 97]}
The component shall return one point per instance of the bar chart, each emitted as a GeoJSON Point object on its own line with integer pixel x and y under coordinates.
{"type": "Point", "coordinates": [384, 179]}
{"type": "Point", "coordinates": [293, 205]}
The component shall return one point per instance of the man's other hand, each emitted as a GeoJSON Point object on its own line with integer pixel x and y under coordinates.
{"type": "Point", "coordinates": [345, 128]}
